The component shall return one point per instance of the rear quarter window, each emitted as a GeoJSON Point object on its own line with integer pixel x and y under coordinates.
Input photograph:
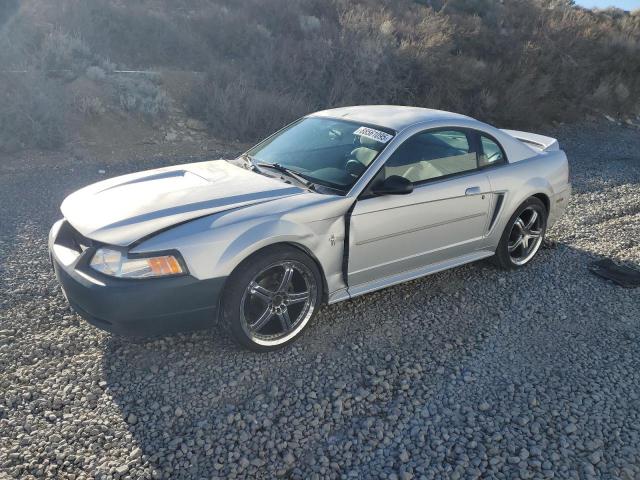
{"type": "Point", "coordinates": [491, 154]}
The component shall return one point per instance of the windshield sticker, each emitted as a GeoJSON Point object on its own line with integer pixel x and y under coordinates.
{"type": "Point", "coordinates": [373, 134]}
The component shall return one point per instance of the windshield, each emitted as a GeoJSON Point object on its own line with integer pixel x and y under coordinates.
{"type": "Point", "coordinates": [328, 152]}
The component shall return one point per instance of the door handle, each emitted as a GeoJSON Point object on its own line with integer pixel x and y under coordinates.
{"type": "Point", "coordinates": [472, 191]}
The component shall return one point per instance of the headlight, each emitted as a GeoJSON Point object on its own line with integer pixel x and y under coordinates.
{"type": "Point", "coordinates": [115, 263]}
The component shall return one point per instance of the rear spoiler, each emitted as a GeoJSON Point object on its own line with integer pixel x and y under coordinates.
{"type": "Point", "coordinates": [539, 142]}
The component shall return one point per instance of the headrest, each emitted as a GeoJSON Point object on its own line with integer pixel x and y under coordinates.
{"type": "Point", "coordinates": [369, 142]}
{"type": "Point", "coordinates": [364, 155]}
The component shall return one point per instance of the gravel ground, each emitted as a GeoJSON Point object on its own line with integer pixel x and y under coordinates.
{"type": "Point", "coordinates": [468, 373]}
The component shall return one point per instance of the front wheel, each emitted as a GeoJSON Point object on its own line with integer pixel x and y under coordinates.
{"type": "Point", "coordinates": [271, 297]}
{"type": "Point", "coordinates": [523, 235]}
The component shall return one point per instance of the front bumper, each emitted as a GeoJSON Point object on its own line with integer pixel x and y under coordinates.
{"type": "Point", "coordinates": [129, 307]}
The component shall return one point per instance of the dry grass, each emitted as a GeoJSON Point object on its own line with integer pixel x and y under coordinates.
{"type": "Point", "coordinates": [32, 112]}
{"type": "Point", "coordinates": [520, 63]}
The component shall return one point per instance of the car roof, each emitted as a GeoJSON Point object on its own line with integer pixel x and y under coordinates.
{"type": "Point", "coordinates": [396, 117]}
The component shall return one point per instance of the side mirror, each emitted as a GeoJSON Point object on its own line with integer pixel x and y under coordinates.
{"type": "Point", "coordinates": [394, 185]}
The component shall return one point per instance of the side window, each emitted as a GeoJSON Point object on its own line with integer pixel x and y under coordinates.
{"type": "Point", "coordinates": [431, 155]}
{"type": "Point", "coordinates": [491, 153]}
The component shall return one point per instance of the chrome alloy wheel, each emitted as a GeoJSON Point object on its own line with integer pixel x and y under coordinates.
{"type": "Point", "coordinates": [278, 302]}
{"type": "Point", "coordinates": [526, 236]}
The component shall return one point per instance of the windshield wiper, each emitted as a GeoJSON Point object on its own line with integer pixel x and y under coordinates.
{"type": "Point", "coordinates": [287, 171]}
{"type": "Point", "coordinates": [249, 161]}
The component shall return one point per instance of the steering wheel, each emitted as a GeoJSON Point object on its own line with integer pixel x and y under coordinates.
{"type": "Point", "coordinates": [354, 167]}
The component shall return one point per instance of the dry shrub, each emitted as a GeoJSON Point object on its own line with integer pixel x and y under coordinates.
{"type": "Point", "coordinates": [32, 112]}
{"type": "Point", "coordinates": [233, 107]}
{"type": "Point", "coordinates": [272, 67]}
{"type": "Point", "coordinates": [141, 94]}
{"type": "Point", "coordinates": [38, 62]}
{"type": "Point", "coordinates": [31, 105]}
{"type": "Point", "coordinates": [89, 106]}
{"type": "Point", "coordinates": [64, 53]}
{"type": "Point", "coordinates": [517, 63]}
{"type": "Point", "coordinates": [132, 33]}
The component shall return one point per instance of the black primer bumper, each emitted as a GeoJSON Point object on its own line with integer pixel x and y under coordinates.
{"type": "Point", "coordinates": [138, 307]}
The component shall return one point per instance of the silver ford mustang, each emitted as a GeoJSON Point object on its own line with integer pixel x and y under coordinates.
{"type": "Point", "coordinates": [339, 203]}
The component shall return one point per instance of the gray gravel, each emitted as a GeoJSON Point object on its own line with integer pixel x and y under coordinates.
{"type": "Point", "coordinates": [468, 373]}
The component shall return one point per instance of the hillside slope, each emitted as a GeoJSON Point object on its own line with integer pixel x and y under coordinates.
{"type": "Point", "coordinates": [249, 67]}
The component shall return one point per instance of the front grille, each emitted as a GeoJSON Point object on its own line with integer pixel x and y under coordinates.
{"type": "Point", "coordinates": [69, 237]}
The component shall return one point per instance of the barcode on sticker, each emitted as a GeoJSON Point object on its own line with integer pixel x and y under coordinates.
{"type": "Point", "coordinates": [373, 134]}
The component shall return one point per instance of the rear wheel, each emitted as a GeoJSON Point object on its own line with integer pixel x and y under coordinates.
{"type": "Point", "coordinates": [523, 235]}
{"type": "Point", "coordinates": [271, 297]}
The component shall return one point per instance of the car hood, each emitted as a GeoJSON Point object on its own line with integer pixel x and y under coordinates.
{"type": "Point", "coordinates": [124, 209]}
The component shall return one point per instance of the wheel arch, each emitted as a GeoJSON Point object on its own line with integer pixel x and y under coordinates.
{"type": "Point", "coordinates": [288, 243]}
{"type": "Point", "coordinates": [536, 187]}
{"type": "Point", "coordinates": [544, 198]}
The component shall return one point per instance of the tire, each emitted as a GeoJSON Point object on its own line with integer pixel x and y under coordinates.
{"type": "Point", "coordinates": [511, 254]}
{"type": "Point", "coordinates": [264, 302]}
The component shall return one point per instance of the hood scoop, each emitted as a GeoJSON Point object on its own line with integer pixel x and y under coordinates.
{"type": "Point", "coordinates": [121, 210]}
{"type": "Point", "coordinates": [185, 177]}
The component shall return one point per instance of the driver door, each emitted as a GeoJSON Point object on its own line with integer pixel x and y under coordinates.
{"type": "Point", "coordinates": [443, 218]}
